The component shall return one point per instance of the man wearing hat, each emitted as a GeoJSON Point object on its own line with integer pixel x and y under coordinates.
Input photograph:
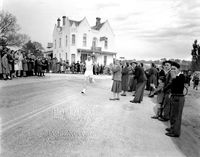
{"type": "Point", "coordinates": [165, 105]}
{"type": "Point", "coordinates": [177, 100]}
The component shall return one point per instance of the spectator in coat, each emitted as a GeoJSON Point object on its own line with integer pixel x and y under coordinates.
{"type": "Point", "coordinates": [125, 75]}
{"type": "Point", "coordinates": [36, 67]}
{"type": "Point", "coordinates": [153, 73]}
{"type": "Point", "coordinates": [1, 51]}
{"type": "Point", "coordinates": [132, 79]}
{"type": "Point", "coordinates": [5, 66]}
{"type": "Point", "coordinates": [166, 100]}
{"type": "Point", "coordinates": [39, 66]}
{"type": "Point", "coordinates": [11, 63]}
{"type": "Point", "coordinates": [195, 81]}
{"type": "Point", "coordinates": [18, 63]}
{"type": "Point", "coordinates": [141, 82]}
{"type": "Point", "coordinates": [30, 63]}
{"type": "Point", "coordinates": [50, 64]}
{"type": "Point", "coordinates": [54, 61]}
{"type": "Point", "coordinates": [43, 66]}
{"type": "Point", "coordinates": [177, 100]}
{"type": "Point", "coordinates": [46, 65]}
{"type": "Point", "coordinates": [64, 66]}
{"type": "Point", "coordinates": [58, 66]}
{"type": "Point", "coordinates": [25, 66]}
{"type": "Point", "coordinates": [78, 67]}
{"type": "Point", "coordinates": [117, 76]}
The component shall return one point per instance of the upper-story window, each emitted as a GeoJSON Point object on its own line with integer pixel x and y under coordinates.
{"type": "Point", "coordinates": [84, 39]}
{"type": "Point", "coordinates": [73, 39]}
{"type": "Point", "coordinates": [66, 41]}
{"type": "Point", "coordinates": [55, 44]}
{"type": "Point", "coordinates": [94, 42]}
{"type": "Point", "coordinates": [59, 42]}
{"type": "Point", "coordinates": [106, 44]}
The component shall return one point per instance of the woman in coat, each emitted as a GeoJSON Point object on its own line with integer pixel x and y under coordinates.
{"type": "Point", "coordinates": [125, 76]}
{"type": "Point", "coordinates": [153, 75]}
{"type": "Point", "coordinates": [25, 66]}
{"type": "Point", "coordinates": [117, 76]}
{"type": "Point", "coordinates": [5, 67]}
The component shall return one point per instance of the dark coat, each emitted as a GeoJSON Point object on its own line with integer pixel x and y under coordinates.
{"type": "Point", "coordinates": [1, 63]}
{"type": "Point", "coordinates": [5, 65]}
{"type": "Point", "coordinates": [25, 64]}
{"type": "Point", "coordinates": [168, 80]}
{"type": "Point", "coordinates": [153, 75]}
{"type": "Point", "coordinates": [1, 70]}
{"type": "Point", "coordinates": [140, 75]}
{"type": "Point", "coordinates": [10, 62]}
{"type": "Point", "coordinates": [30, 63]}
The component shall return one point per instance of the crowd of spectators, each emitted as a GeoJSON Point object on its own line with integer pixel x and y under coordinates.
{"type": "Point", "coordinates": [167, 81]}
{"type": "Point", "coordinates": [15, 64]}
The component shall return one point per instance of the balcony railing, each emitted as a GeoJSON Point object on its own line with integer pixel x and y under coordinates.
{"type": "Point", "coordinates": [96, 48]}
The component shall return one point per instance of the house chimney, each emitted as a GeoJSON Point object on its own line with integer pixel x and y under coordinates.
{"type": "Point", "coordinates": [98, 21]}
{"type": "Point", "coordinates": [64, 20]}
{"type": "Point", "coordinates": [58, 20]}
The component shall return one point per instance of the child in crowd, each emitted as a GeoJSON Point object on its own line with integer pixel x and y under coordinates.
{"type": "Point", "coordinates": [195, 81]}
{"type": "Point", "coordinates": [160, 95]}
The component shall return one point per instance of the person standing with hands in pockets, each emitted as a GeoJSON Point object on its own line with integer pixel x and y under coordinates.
{"type": "Point", "coordinates": [117, 76]}
{"type": "Point", "coordinates": [177, 100]}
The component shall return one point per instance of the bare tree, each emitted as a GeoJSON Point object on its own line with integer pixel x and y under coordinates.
{"type": "Point", "coordinates": [9, 30]}
{"type": "Point", "coordinates": [8, 24]}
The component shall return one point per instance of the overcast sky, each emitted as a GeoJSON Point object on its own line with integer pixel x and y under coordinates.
{"type": "Point", "coordinates": [144, 29]}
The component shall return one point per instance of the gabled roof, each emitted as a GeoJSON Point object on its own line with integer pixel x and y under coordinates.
{"type": "Point", "coordinates": [76, 22]}
{"type": "Point", "coordinates": [98, 27]}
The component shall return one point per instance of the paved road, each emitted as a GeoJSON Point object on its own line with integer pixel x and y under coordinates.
{"type": "Point", "coordinates": [48, 117]}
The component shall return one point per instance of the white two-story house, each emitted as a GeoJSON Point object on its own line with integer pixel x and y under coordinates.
{"type": "Point", "coordinates": [75, 40]}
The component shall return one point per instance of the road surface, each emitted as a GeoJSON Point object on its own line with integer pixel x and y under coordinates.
{"type": "Point", "coordinates": [49, 117]}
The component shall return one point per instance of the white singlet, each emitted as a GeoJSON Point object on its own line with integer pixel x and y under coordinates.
{"type": "Point", "coordinates": [89, 68]}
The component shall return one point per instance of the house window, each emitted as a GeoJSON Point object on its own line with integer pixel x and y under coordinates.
{"type": "Point", "coordinates": [66, 40]}
{"type": "Point", "coordinates": [73, 58]}
{"type": "Point", "coordinates": [55, 44]}
{"type": "Point", "coordinates": [59, 42]}
{"type": "Point", "coordinates": [73, 39]}
{"type": "Point", "coordinates": [85, 39]}
{"type": "Point", "coordinates": [106, 44]}
{"type": "Point", "coordinates": [94, 42]}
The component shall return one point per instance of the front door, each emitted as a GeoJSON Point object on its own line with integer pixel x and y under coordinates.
{"type": "Point", "coordinates": [66, 56]}
{"type": "Point", "coordinates": [83, 58]}
{"type": "Point", "coordinates": [105, 60]}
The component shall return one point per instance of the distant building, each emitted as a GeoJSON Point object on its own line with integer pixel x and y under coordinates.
{"type": "Point", "coordinates": [75, 40]}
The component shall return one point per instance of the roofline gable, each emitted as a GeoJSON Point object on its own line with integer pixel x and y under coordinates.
{"type": "Point", "coordinates": [106, 22]}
